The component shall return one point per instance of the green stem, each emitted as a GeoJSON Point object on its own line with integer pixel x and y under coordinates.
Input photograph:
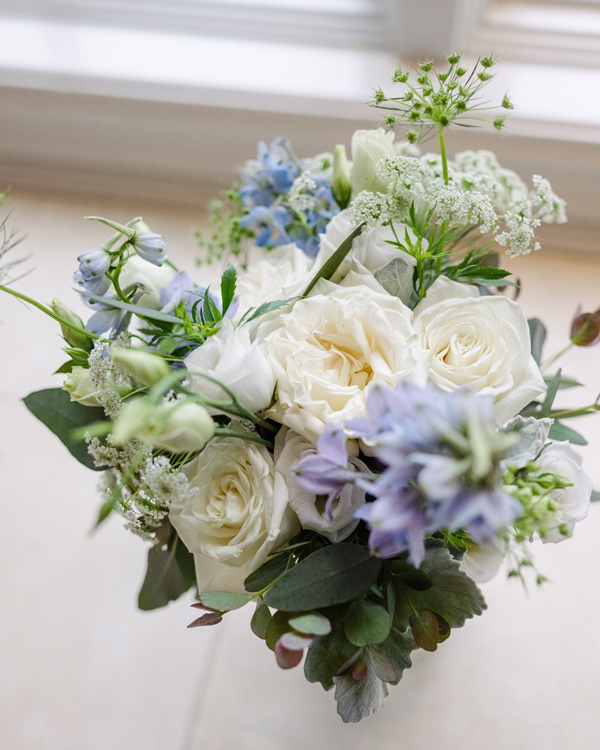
{"type": "Point", "coordinates": [48, 312]}
{"type": "Point", "coordinates": [556, 356]}
{"type": "Point", "coordinates": [250, 437]}
{"type": "Point", "coordinates": [443, 156]}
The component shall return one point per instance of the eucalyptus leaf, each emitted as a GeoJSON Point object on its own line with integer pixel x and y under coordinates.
{"type": "Point", "coordinates": [53, 407]}
{"type": "Point", "coordinates": [170, 574]}
{"type": "Point", "coordinates": [396, 649]}
{"type": "Point", "coordinates": [327, 656]}
{"type": "Point", "coordinates": [278, 625]}
{"type": "Point", "coordinates": [268, 572]}
{"type": "Point", "coordinates": [560, 431]}
{"type": "Point", "coordinates": [260, 620]}
{"type": "Point", "coordinates": [384, 668]}
{"type": "Point", "coordinates": [312, 623]}
{"type": "Point", "coordinates": [331, 575]}
{"type": "Point", "coordinates": [424, 626]}
{"type": "Point", "coordinates": [223, 601]}
{"type": "Point", "coordinates": [358, 699]}
{"type": "Point", "coordinates": [553, 386]}
{"type": "Point", "coordinates": [453, 595]}
{"type": "Point", "coordinates": [537, 332]}
{"type": "Point", "coordinates": [595, 496]}
{"type": "Point", "coordinates": [367, 622]}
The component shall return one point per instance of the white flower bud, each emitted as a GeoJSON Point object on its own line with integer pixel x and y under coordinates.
{"type": "Point", "coordinates": [141, 365]}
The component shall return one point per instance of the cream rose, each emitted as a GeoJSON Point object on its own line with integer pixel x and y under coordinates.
{"type": "Point", "coordinates": [331, 348]}
{"type": "Point", "coordinates": [235, 514]}
{"type": "Point", "coordinates": [480, 342]}
{"type": "Point", "coordinates": [285, 272]}
{"type": "Point", "coordinates": [369, 147]}
{"type": "Point", "coordinates": [234, 360]}
{"type": "Point", "coordinates": [310, 509]}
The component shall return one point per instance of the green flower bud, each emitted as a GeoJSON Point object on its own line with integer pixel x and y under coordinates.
{"type": "Point", "coordinates": [585, 329]}
{"type": "Point", "coordinates": [73, 338]}
{"type": "Point", "coordinates": [145, 368]}
{"type": "Point", "coordinates": [177, 426]}
{"type": "Point", "coordinates": [341, 185]}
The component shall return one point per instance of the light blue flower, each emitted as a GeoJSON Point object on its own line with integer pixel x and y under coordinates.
{"type": "Point", "coordinates": [150, 246]}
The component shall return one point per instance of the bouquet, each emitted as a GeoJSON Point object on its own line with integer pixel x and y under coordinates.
{"type": "Point", "coordinates": [356, 426]}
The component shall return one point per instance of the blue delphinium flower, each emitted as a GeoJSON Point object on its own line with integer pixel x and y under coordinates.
{"type": "Point", "coordinates": [271, 175]}
{"type": "Point", "coordinates": [150, 246]}
{"type": "Point", "coordinates": [270, 225]}
{"type": "Point", "coordinates": [439, 457]}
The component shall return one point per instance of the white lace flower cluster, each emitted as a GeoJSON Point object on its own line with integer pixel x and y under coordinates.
{"type": "Point", "coordinates": [479, 192]}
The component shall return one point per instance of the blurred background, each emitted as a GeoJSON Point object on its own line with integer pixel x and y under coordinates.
{"type": "Point", "coordinates": [146, 107]}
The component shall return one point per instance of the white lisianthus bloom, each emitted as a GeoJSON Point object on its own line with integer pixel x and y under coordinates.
{"type": "Point", "coordinates": [482, 561]}
{"type": "Point", "coordinates": [479, 342]}
{"type": "Point", "coordinates": [369, 147]}
{"type": "Point", "coordinates": [234, 360]}
{"type": "Point", "coordinates": [283, 273]}
{"type": "Point", "coordinates": [152, 277]}
{"type": "Point", "coordinates": [574, 501]}
{"type": "Point", "coordinates": [330, 349]}
{"type": "Point", "coordinates": [234, 514]}
{"type": "Point", "coordinates": [370, 253]}
{"type": "Point", "coordinates": [310, 508]}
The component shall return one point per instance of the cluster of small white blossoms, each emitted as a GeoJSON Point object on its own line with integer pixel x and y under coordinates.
{"type": "Point", "coordinates": [301, 196]}
{"type": "Point", "coordinates": [105, 374]}
{"type": "Point", "coordinates": [480, 193]}
{"type": "Point", "coordinates": [143, 497]}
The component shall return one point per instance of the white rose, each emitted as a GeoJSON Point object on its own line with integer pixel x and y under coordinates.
{"type": "Point", "coordinates": [283, 273]}
{"type": "Point", "coordinates": [234, 360]}
{"type": "Point", "coordinates": [310, 509]}
{"type": "Point", "coordinates": [369, 147]}
{"type": "Point", "coordinates": [480, 342]}
{"type": "Point", "coordinates": [138, 270]}
{"type": "Point", "coordinates": [235, 513]}
{"type": "Point", "coordinates": [331, 348]}
{"type": "Point", "coordinates": [574, 501]}
{"type": "Point", "coordinates": [370, 253]}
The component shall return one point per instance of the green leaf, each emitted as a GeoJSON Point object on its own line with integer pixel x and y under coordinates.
{"type": "Point", "coordinates": [331, 264]}
{"type": "Point", "coordinates": [277, 626]}
{"type": "Point", "coordinates": [566, 382]}
{"type": "Point", "coordinates": [312, 623]}
{"type": "Point", "coordinates": [551, 394]}
{"type": "Point", "coordinates": [209, 618]}
{"type": "Point", "coordinates": [358, 699]}
{"type": "Point", "coordinates": [228, 284]}
{"type": "Point", "coordinates": [53, 407]}
{"type": "Point", "coordinates": [223, 601]}
{"type": "Point", "coordinates": [327, 656]}
{"type": "Point", "coordinates": [595, 496]}
{"type": "Point", "coordinates": [331, 575]}
{"type": "Point", "coordinates": [413, 577]}
{"type": "Point", "coordinates": [424, 626]}
{"type": "Point", "coordinates": [141, 312]}
{"type": "Point", "coordinates": [384, 668]}
{"type": "Point", "coordinates": [267, 307]}
{"type": "Point", "coordinates": [396, 649]}
{"type": "Point", "coordinates": [170, 574]}
{"type": "Point", "coordinates": [260, 620]}
{"type": "Point", "coordinates": [266, 574]}
{"type": "Point", "coordinates": [65, 368]}
{"type": "Point", "coordinates": [453, 595]}
{"type": "Point", "coordinates": [537, 332]}
{"type": "Point", "coordinates": [367, 622]}
{"type": "Point", "coordinates": [560, 431]}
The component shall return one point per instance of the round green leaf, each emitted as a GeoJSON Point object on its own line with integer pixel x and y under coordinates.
{"type": "Point", "coordinates": [312, 623]}
{"type": "Point", "coordinates": [367, 622]}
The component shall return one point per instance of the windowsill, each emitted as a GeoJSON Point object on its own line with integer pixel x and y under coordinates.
{"type": "Point", "coordinates": [164, 114]}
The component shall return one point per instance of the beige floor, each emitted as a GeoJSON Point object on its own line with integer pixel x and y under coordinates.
{"type": "Point", "coordinates": [81, 669]}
